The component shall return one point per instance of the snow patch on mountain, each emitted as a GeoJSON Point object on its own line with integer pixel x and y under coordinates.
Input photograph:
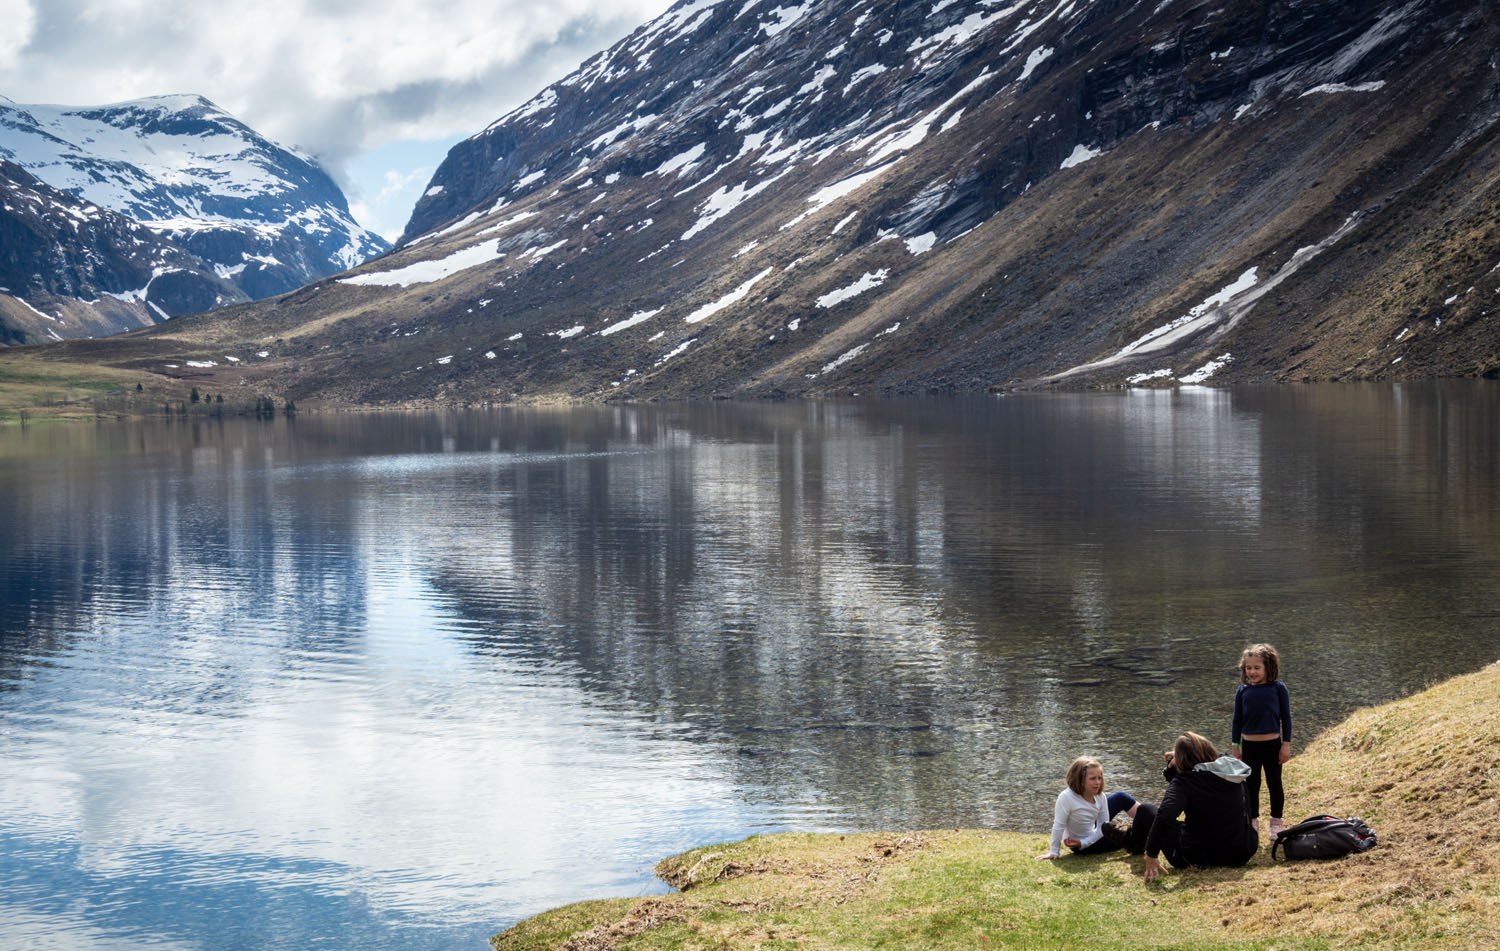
{"type": "Point", "coordinates": [866, 283]}
{"type": "Point", "coordinates": [844, 358]}
{"type": "Point", "coordinates": [425, 272]}
{"type": "Point", "coordinates": [723, 201]}
{"type": "Point", "coordinates": [639, 317]}
{"type": "Point", "coordinates": [708, 310]}
{"type": "Point", "coordinates": [922, 243]}
{"type": "Point", "coordinates": [862, 74]}
{"type": "Point", "coordinates": [1188, 323]}
{"type": "Point", "coordinates": [1037, 57]}
{"type": "Point", "coordinates": [1080, 154]}
{"type": "Point", "coordinates": [198, 177]}
{"type": "Point", "coordinates": [829, 194]}
{"type": "Point", "coordinates": [1326, 88]}
{"type": "Point", "coordinates": [1207, 370]}
{"type": "Point", "coordinates": [681, 163]}
{"type": "Point", "coordinates": [677, 350]}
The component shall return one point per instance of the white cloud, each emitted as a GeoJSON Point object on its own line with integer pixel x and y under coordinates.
{"type": "Point", "coordinates": [397, 182]}
{"type": "Point", "coordinates": [337, 78]}
{"type": "Point", "coordinates": [20, 26]}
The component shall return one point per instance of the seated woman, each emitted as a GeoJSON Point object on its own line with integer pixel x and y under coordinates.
{"type": "Point", "coordinates": [1209, 791]}
{"type": "Point", "coordinates": [1081, 819]}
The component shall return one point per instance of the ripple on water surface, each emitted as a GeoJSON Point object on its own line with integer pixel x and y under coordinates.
{"type": "Point", "coordinates": [393, 682]}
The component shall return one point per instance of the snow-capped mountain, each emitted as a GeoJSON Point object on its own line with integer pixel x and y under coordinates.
{"type": "Point", "coordinates": [267, 219]}
{"type": "Point", "coordinates": [69, 268]}
{"type": "Point", "coordinates": [764, 197]}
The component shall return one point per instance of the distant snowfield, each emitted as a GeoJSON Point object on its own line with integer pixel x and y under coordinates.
{"type": "Point", "coordinates": [708, 310]}
{"type": "Point", "coordinates": [1163, 373]}
{"type": "Point", "coordinates": [1344, 87]}
{"type": "Point", "coordinates": [725, 200]}
{"type": "Point", "coordinates": [682, 163]}
{"type": "Point", "coordinates": [425, 272]}
{"type": "Point", "coordinates": [639, 317]}
{"type": "Point", "coordinates": [1208, 369]}
{"type": "Point", "coordinates": [1195, 320]}
{"type": "Point", "coordinates": [843, 358]}
{"type": "Point", "coordinates": [1216, 315]}
{"type": "Point", "coordinates": [1081, 154]}
{"type": "Point", "coordinates": [182, 167]}
{"type": "Point", "coordinates": [922, 243]}
{"type": "Point", "coordinates": [782, 18]}
{"type": "Point", "coordinates": [675, 351]}
{"type": "Point", "coordinates": [866, 283]}
{"type": "Point", "coordinates": [34, 310]}
{"type": "Point", "coordinates": [66, 130]}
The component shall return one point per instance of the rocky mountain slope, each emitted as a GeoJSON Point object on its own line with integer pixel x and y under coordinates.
{"type": "Point", "coordinates": [69, 268]}
{"type": "Point", "coordinates": [766, 197]}
{"type": "Point", "coordinates": [261, 218]}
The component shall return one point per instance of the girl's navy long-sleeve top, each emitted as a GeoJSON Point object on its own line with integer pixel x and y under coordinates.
{"type": "Point", "coordinates": [1262, 708]}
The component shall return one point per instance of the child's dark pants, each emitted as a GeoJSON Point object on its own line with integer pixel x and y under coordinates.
{"type": "Point", "coordinates": [1263, 755]}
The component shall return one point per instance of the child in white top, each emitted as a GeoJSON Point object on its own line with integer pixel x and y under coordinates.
{"type": "Point", "coordinates": [1083, 810]}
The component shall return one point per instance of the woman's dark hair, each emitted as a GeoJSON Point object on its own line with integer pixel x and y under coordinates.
{"type": "Point", "coordinates": [1268, 656]}
{"type": "Point", "coordinates": [1192, 749]}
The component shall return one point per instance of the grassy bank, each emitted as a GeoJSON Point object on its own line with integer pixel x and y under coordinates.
{"type": "Point", "coordinates": [1424, 771]}
{"type": "Point", "coordinates": [35, 390]}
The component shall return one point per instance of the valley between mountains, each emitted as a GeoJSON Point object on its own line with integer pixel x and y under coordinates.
{"type": "Point", "coordinates": [782, 198]}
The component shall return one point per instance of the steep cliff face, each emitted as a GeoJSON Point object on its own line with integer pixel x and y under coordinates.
{"type": "Point", "coordinates": [765, 198]}
{"type": "Point", "coordinates": [69, 268]}
{"type": "Point", "coordinates": [267, 220]}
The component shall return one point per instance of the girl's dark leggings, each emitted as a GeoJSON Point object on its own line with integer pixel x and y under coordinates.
{"type": "Point", "coordinates": [1118, 802]}
{"type": "Point", "coordinates": [1263, 755]}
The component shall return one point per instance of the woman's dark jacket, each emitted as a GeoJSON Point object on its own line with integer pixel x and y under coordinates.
{"type": "Point", "coordinates": [1212, 798]}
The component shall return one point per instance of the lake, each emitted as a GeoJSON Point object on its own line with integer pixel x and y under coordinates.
{"type": "Point", "coordinates": [394, 681]}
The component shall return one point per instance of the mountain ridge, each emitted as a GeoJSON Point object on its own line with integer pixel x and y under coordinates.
{"type": "Point", "coordinates": [262, 218]}
{"type": "Point", "coordinates": [69, 268]}
{"type": "Point", "coordinates": [772, 199]}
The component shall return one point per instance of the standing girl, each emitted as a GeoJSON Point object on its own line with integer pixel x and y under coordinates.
{"type": "Point", "coordinates": [1262, 729]}
{"type": "Point", "coordinates": [1081, 819]}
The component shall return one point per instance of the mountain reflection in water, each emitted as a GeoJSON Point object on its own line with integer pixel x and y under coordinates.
{"type": "Point", "coordinates": [396, 680]}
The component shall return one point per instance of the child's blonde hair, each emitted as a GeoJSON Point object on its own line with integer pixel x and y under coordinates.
{"type": "Point", "coordinates": [1267, 656]}
{"type": "Point", "coordinates": [1080, 769]}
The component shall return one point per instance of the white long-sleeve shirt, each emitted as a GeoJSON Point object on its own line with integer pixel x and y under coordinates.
{"type": "Point", "coordinates": [1078, 818]}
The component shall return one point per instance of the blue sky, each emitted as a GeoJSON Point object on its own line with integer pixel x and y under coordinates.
{"type": "Point", "coordinates": [385, 182]}
{"type": "Point", "coordinates": [378, 90]}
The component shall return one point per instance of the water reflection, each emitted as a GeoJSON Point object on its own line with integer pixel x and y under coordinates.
{"type": "Point", "coordinates": [403, 678]}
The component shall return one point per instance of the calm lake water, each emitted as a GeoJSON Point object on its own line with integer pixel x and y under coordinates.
{"type": "Point", "coordinates": [396, 681]}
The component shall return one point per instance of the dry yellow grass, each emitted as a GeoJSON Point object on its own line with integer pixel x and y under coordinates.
{"type": "Point", "coordinates": [42, 389]}
{"type": "Point", "coordinates": [1425, 772]}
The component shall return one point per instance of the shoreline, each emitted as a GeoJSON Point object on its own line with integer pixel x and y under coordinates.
{"type": "Point", "coordinates": [34, 389]}
{"type": "Point", "coordinates": [20, 412]}
{"type": "Point", "coordinates": [1423, 770]}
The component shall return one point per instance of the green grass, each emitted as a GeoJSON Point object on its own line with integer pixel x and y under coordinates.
{"type": "Point", "coordinates": [34, 391]}
{"type": "Point", "coordinates": [940, 890]}
{"type": "Point", "coordinates": [1424, 770]}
